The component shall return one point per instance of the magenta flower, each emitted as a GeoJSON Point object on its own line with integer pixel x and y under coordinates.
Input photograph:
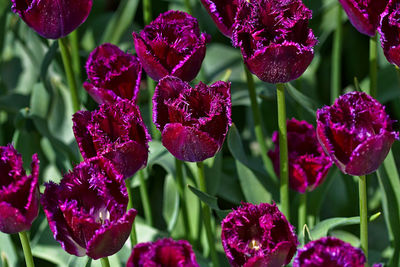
{"type": "Point", "coordinates": [308, 164]}
{"type": "Point", "coordinates": [164, 252]}
{"type": "Point", "coordinates": [364, 14]}
{"type": "Point", "coordinates": [356, 133]}
{"type": "Point", "coordinates": [276, 43]}
{"type": "Point", "coordinates": [193, 121]}
{"type": "Point", "coordinates": [258, 235]}
{"type": "Point", "coordinates": [87, 210]}
{"type": "Point", "coordinates": [329, 251]}
{"type": "Point", "coordinates": [113, 74]}
{"type": "Point", "coordinates": [223, 13]}
{"type": "Point", "coordinates": [19, 193]}
{"type": "Point", "coordinates": [390, 32]}
{"type": "Point", "coordinates": [171, 45]}
{"type": "Point", "coordinates": [116, 132]}
{"type": "Point", "coordinates": [52, 19]}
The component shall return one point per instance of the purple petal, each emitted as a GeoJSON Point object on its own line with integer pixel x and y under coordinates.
{"type": "Point", "coordinates": [53, 18]}
{"type": "Point", "coordinates": [188, 143]}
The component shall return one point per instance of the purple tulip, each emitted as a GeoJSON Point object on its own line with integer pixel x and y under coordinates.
{"type": "Point", "coordinates": [113, 74]}
{"type": "Point", "coordinates": [356, 133]}
{"type": "Point", "coordinates": [193, 121]}
{"type": "Point", "coordinates": [52, 19]}
{"type": "Point", "coordinates": [19, 193]}
{"type": "Point", "coordinates": [223, 12]}
{"type": "Point", "coordinates": [116, 132]}
{"type": "Point", "coordinates": [364, 14]}
{"type": "Point", "coordinates": [164, 252]}
{"type": "Point", "coordinates": [308, 164]}
{"type": "Point", "coordinates": [87, 210]}
{"type": "Point", "coordinates": [276, 43]}
{"type": "Point", "coordinates": [171, 45]}
{"type": "Point", "coordinates": [390, 32]}
{"type": "Point", "coordinates": [329, 251]}
{"type": "Point", "coordinates": [258, 235]}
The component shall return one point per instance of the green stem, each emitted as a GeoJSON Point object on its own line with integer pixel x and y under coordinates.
{"type": "Point", "coordinates": [147, 16]}
{"type": "Point", "coordinates": [373, 65]}
{"type": "Point", "coordinates": [188, 6]}
{"type": "Point", "coordinates": [105, 262]}
{"type": "Point", "coordinates": [66, 58]}
{"type": "Point", "coordinates": [283, 149]}
{"type": "Point", "coordinates": [207, 216]}
{"type": "Point", "coordinates": [132, 236]}
{"type": "Point", "coordinates": [258, 126]}
{"type": "Point", "coordinates": [181, 188]}
{"type": "Point", "coordinates": [145, 199]}
{"type": "Point", "coordinates": [363, 214]}
{"type": "Point", "coordinates": [150, 86]}
{"type": "Point", "coordinates": [336, 56]}
{"type": "Point", "coordinates": [302, 211]}
{"type": "Point", "coordinates": [27, 249]}
{"type": "Point", "coordinates": [73, 38]}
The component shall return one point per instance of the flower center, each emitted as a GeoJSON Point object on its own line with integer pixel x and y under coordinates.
{"type": "Point", "coordinates": [254, 244]}
{"type": "Point", "coordinates": [104, 215]}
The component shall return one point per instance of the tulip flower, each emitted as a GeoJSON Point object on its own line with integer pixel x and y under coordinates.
{"type": "Point", "coordinates": [390, 31]}
{"type": "Point", "coordinates": [258, 235]}
{"type": "Point", "coordinates": [223, 12]}
{"type": "Point", "coordinates": [163, 252]}
{"type": "Point", "coordinates": [171, 45]}
{"type": "Point", "coordinates": [276, 43]}
{"type": "Point", "coordinates": [87, 210]}
{"type": "Point", "coordinates": [329, 251]}
{"type": "Point", "coordinates": [356, 133]}
{"type": "Point", "coordinates": [51, 18]}
{"type": "Point", "coordinates": [19, 192]}
{"type": "Point", "coordinates": [308, 164]}
{"type": "Point", "coordinates": [364, 15]}
{"type": "Point", "coordinates": [193, 121]}
{"type": "Point", "coordinates": [116, 132]}
{"type": "Point", "coordinates": [113, 74]}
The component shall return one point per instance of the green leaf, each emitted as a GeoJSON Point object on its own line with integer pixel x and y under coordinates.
{"type": "Point", "coordinates": [8, 250]}
{"type": "Point", "coordinates": [120, 21]}
{"type": "Point", "coordinates": [235, 145]}
{"type": "Point", "coordinates": [306, 102]}
{"type": "Point", "coordinates": [253, 189]}
{"type": "Point", "coordinates": [206, 198]}
{"type": "Point", "coordinates": [171, 202]}
{"type": "Point", "coordinates": [322, 228]}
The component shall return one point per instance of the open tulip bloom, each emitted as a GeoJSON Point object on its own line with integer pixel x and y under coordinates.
{"type": "Point", "coordinates": [193, 121]}
{"type": "Point", "coordinates": [19, 192]}
{"type": "Point", "coordinates": [364, 15]}
{"type": "Point", "coordinates": [113, 74]}
{"type": "Point", "coordinates": [171, 45]}
{"type": "Point", "coordinates": [356, 132]}
{"type": "Point", "coordinates": [163, 252]}
{"type": "Point", "coordinates": [52, 19]}
{"type": "Point", "coordinates": [390, 31]}
{"type": "Point", "coordinates": [276, 43]}
{"type": "Point", "coordinates": [258, 235]}
{"type": "Point", "coordinates": [116, 132]}
{"type": "Point", "coordinates": [87, 210]}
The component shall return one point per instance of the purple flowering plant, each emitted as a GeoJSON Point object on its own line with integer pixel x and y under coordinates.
{"type": "Point", "coordinates": [204, 191]}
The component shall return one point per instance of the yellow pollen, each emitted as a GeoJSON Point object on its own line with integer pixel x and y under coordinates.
{"type": "Point", "coordinates": [254, 244]}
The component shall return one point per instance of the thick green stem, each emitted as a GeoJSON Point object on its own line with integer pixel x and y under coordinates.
{"type": "Point", "coordinates": [76, 64]}
{"type": "Point", "coordinates": [182, 194]}
{"type": "Point", "coordinates": [207, 216]}
{"type": "Point", "coordinates": [336, 56]}
{"type": "Point", "coordinates": [373, 65]}
{"type": "Point", "coordinates": [27, 249]}
{"type": "Point", "coordinates": [132, 236]}
{"type": "Point", "coordinates": [147, 16]}
{"type": "Point", "coordinates": [283, 149]}
{"type": "Point", "coordinates": [145, 199]}
{"type": "Point", "coordinates": [302, 211]}
{"type": "Point", "coordinates": [258, 126]}
{"type": "Point", "coordinates": [363, 214]}
{"type": "Point", "coordinates": [105, 262]}
{"type": "Point", "coordinates": [66, 58]}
